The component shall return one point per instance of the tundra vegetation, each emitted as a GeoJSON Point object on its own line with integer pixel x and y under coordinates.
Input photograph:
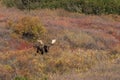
{"type": "Point", "coordinates": [87, 46]}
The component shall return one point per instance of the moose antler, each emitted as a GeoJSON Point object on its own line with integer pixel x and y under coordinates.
{"type": "Point", "coordinates": [40, 41]}
{"type": "Point", "coordinates": [44, 48]}
{"type": "Point", "coordinates": [53, 41]}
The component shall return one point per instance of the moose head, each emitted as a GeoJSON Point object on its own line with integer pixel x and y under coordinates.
{"type": "Point", "coordinates": [43, 48]}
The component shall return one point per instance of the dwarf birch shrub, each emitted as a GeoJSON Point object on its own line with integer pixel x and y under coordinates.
{"type": "Point", "coordinates": [28, 27]}
{"type": "Point", "coordinates": [80, 39]}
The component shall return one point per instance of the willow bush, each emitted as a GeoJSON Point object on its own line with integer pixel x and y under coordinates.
{"type": "Point", "coordinates": [28, 27]}
{"type": "Point", "coordinates": [81, 6]}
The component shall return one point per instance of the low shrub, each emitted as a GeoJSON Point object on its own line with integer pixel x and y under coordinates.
{"type": "Point", "coordinates": [28, 27]}
{"type": "Point", "coordinates": [81, 6]}
{"type": "Point", "coordinates": [26, 4]}
{"type": "Point", "coordinates": [80, 39]}
{"type": "Point", "coordinates": [20, 78]}
{"type": "Point", "coordinates": [8, 3]}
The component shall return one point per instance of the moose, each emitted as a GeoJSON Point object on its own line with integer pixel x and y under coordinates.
{"type": "Point", "coordinates": [43, 48]}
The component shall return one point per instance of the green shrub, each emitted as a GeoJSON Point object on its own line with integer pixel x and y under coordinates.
{"type": "Point", "coordinates": [20, 78]}
{"type": "Point", "coordinates": [84, 6]}
{"type": "Point", "coordinates": [81, 6]}
{"type": "Point", "coordinates": [19, 4]}
{"type": "Point", "coordinates": [8, 3]}
{"type": "Point", "coordinates": [26, 4]}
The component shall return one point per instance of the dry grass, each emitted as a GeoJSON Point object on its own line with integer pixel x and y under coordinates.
{"type": "Point", "coordinates": [58, 64]}
{"type": "Point", "coordinates": [24, 63]}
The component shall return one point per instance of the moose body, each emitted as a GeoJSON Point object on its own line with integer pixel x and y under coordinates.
{"type": "Point", "coordinates": [43, 48]}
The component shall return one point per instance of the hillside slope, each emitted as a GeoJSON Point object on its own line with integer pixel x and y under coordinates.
{"type": "Point", "coordinates": [88, 47]}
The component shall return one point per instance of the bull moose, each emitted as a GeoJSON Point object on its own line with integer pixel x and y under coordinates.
{"type": "Point", "coordinates": [43, 48]}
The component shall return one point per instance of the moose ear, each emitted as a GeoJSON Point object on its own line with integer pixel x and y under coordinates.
{"type": "Point", "coordinates": [40, 41]}
{"type": "Point", "coordinates": [53, 41]}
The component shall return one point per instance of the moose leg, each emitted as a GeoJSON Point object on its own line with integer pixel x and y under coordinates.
{"type": "Point", "coordinates": [46, 48]}
{"type": "Point", "coordinates": [37, 50]}
{"type": "Point", "coordinates": [41, 50]}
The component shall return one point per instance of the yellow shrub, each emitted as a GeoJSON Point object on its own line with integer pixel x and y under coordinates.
{"type": "Point", "coordinates": [28, 27]}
